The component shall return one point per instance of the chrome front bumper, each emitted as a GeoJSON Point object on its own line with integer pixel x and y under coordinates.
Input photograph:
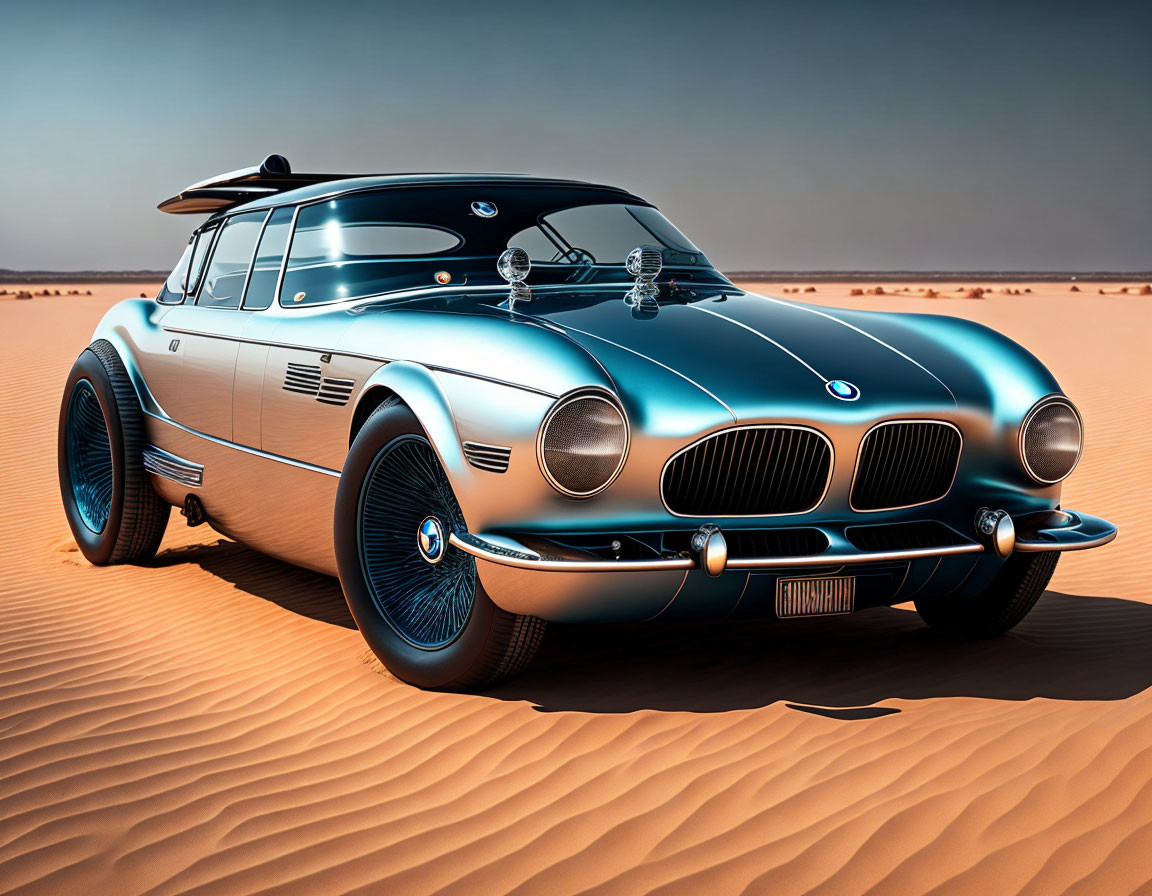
{"type": "Point", "coordinates": [1048, 531]}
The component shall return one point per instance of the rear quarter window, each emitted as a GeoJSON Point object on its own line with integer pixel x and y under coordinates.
{"type": "Point", "coordinates": [172, 292]}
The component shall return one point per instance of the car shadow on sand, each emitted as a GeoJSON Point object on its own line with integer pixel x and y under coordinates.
{"type": "Point", "coordinates": [1071, 647]}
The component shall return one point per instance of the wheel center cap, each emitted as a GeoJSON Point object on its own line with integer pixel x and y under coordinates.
{"type": "Point", "coordinates": [430, 539]}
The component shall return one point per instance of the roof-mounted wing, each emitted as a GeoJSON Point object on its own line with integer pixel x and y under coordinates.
{"type": "Point", "coordinates": [273, 175]}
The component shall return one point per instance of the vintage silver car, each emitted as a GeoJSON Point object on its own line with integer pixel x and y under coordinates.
{"type": "Point", "coordinates": [490, 401]}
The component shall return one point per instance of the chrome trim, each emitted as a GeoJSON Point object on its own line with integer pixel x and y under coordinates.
{"type": "Point", "coordinates": [493, 458]}
{"type": "Point", "coordinates": [860, 451]}
{"type": "Point", "coordinates": [287, 251]}
{"type": "Point", "coordinates": [1036, 547]}
{"type": "Point", "coordinates": [728, 429]}
{"type": "Point", "coordinates": [346, 354]}
{"type": "Point", "coordinates": [1044, 402]}
{"type": "Point", "coordinates": [171, 466]}
{"type": "Point", "coordinates": [483, 549]}
{"type": "Point", "coordinates": [488, 379]}
{"type": "Point", "coordinates": [598, 394]}
{"type": "Point", "coordinates": [835, 595]}
{"type": "Point", "coordinates": [854, 559]}
{"type": "Point", "coordinates": [304, 465]}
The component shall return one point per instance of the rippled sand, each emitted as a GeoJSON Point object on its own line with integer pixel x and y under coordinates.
{"type": "Point", "coordinates": [213, 723]}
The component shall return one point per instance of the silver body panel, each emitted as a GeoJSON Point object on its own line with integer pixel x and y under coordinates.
{"type": "Point", "coordinates": [213, 386]}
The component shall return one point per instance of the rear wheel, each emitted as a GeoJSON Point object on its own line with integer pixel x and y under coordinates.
{"type": "Point", "coordinates": [999, 607]}
{"type": "Point", "coordinates": [112, 509]}
{"type": "Point", "coordinates": [415, 597]}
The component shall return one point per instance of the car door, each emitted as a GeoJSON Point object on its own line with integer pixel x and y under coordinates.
{"type": "Point", "coordinates": [252, 351]}
{"type": "Point", "coordinates": [208, 328]}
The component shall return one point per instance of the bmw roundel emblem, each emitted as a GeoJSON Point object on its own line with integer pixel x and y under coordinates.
{"type": "Point", "coordinates": [842, 389]}
{"type": "Point", "coordinates": [484, 209]}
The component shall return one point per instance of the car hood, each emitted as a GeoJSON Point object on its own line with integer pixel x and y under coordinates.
{"type": "Point", "coordinates": [757, 355]}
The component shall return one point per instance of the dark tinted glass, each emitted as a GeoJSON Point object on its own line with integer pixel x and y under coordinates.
{"type": "Point", "coordinates": [227, 272]}
{"type": "Point", "coordinates": [605, 234]}
{"type": "Point", "coordinates": [395, 239]}
{"type": "Point", "coordinates": [172, 292]}
{"type": "Point", "coordinates": [269, 255]}
{"type": "Point", "coordinates": [348, 248]}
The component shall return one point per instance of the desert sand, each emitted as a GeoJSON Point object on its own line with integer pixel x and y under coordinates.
{"type": "Point", "coordinates": [213, 723]}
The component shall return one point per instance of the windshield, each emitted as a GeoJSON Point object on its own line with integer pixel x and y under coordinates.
{"type": "Point", "coordinates": [374, 242]}
{"type": "Point", "coordinates": [604, 234]}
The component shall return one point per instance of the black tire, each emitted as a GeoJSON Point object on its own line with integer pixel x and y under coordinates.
{"type": "Point", "coordinates": [387, 581]}
{"type": "Point", "coordinates": [133, 516]}
{"type": "Point", "coordinates": [1012, 594]}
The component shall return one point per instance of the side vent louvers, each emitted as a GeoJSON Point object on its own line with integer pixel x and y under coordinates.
{"type": "Point", "coordinates": [302, 378]}
{"type": "Point", "coordinates": [493, 458]}
{"type": "Point", "coordinates": [307, 380]}
{"type": "Point", "coordinates": [334, 390]}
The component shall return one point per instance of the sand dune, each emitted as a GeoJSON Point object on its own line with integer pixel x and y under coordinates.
{"type": "Point", "coordinates": [213, 723]}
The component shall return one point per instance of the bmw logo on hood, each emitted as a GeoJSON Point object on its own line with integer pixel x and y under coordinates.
{"type": "Point", "coordinates": [484, 209]}
{"type": "Point", "coordinates": [842, 389]}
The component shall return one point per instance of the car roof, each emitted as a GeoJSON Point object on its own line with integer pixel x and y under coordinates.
{"type": "Point", "coordinates": [369, 182]}
{"type": "Point", "coordinates": [273, 183]}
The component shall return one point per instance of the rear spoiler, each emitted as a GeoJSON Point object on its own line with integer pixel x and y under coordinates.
{"type": "Point", "coordinates": [273, 175]}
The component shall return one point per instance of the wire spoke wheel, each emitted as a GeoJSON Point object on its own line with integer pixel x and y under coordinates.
{"type": "Point", "coordinates": [89, 457]}
{"type": "Point", "coordinates": [421, 585]}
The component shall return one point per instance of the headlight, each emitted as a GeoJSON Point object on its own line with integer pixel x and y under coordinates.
{"type": "Point", "coordinates": [583, 443]}
{"type": "Point", "coordinates": [1050, 440]}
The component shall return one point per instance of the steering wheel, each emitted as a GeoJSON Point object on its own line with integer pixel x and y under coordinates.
{"type": "Point", "coordinates": [576, 255]}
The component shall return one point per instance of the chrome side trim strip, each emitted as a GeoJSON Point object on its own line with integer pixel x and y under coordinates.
{"type": "Point", "coordinates": [346, 354]}
{"type": "Point", "coordinates": [485, 550]}
{"type": "Point", "coordinates": [172, 466]}
{"type": "Point", "coordinates": [304, 465]}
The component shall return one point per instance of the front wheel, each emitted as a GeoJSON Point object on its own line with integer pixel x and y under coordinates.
{"type": "Point", "coordinates": [417, 599]}
{"type": "Point", "coordinates": [1003, 604]}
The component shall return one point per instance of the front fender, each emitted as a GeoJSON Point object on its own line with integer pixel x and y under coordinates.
{"type": "Point", "coordinates": [418, 388]}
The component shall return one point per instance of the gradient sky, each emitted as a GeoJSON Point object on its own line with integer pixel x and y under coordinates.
{"type": "Point", "coordinates": [801, 135]}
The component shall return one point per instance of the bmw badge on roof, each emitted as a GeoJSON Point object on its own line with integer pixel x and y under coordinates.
{"type": "Point", "coordinates": [484, 209]}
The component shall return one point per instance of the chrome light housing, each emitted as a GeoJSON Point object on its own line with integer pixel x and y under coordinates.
{"type": "Point", "coordinates": [1051, 440]}
{"type": "Point", "coordinates": [583, 443]}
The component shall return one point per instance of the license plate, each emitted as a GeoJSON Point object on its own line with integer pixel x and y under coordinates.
{"type": "Point", "coordinates": [823, 596]}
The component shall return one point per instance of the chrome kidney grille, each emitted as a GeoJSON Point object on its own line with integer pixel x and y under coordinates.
{"type": "Point", "coordinates": [749, 471]}
{"type": "Point", "coordinates": [904, 463]}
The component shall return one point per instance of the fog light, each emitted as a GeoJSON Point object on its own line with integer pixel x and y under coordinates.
{"type": "Point", "coordinates": [997, 529]}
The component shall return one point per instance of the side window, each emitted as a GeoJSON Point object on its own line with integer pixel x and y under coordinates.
{"type": "Point", "coordinates": [269, 254]}
{"type": "Point", "coordinates": [348, 248]}
{"type": "Point", "coordinates": [199, 253]}
{"type": "Point", "coordinates": [172, 292]}
{"type": "Point", "coordinates": [223, 281]}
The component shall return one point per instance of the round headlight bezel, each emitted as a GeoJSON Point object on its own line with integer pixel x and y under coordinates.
{"type": "Point", "coordinates": [1043, 403]}
{"type": "Point", "coordinates": [562, 402]}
